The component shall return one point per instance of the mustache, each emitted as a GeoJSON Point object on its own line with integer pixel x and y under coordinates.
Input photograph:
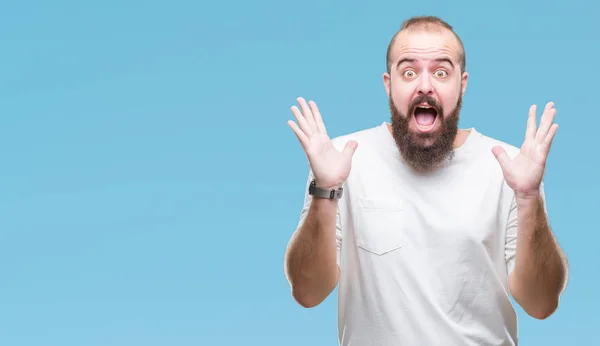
{"type": "Point", "coordinates": [425, 99]}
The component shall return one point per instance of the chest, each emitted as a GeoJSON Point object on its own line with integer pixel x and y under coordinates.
{"type": "Point", "coordinates": [463, 207]}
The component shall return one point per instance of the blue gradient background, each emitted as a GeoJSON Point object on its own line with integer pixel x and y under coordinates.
{"type": "Point", "coordinates": [149, 183]}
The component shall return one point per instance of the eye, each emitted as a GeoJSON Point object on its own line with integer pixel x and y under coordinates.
{"type": "Point", "coordinates": [409, 73]}
{"type": "Point", "coordinates": [441, 73]}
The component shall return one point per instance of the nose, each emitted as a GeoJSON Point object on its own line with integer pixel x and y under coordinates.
{"type": "Point", "coordinates": [425, 86]}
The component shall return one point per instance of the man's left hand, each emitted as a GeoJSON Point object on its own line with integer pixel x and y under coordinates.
{"type": "Point", "coordinates": [525, 172]}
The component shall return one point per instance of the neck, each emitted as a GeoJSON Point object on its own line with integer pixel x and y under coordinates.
{"type": "Point", "coordinates": [461, 138]}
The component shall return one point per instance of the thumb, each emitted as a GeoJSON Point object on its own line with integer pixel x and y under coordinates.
{"type": "Point", "coordinates": [501, 156]}
{"type": "Point", "coordinates": [350, 148]}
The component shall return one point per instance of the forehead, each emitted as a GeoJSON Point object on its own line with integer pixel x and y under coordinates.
{"type": "Point", "coordinates": [426, 45]}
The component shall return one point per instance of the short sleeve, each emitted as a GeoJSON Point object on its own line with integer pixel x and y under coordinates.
{"type": "Point", "coordinates": [338, 224]}
{"type": "Point", "coordinates": [512, 231]}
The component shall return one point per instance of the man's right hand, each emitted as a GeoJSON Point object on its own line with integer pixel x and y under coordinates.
{"type": "Point", "coordinates": [330, 167]}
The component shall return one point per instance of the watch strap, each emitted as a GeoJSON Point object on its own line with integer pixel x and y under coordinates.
{"type": "Point", "coordinates": [316, 191]}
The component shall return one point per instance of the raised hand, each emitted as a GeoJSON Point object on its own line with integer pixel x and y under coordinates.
{"type": "Point", "coordinates": [525, 172]}
{"type": "Point", "coordinates": [330, 167]}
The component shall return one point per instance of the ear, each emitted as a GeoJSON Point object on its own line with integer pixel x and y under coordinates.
{"type": "Point", "coordinates": [465, 79]}
{"type": "Point", "coordinates": [387, 83]}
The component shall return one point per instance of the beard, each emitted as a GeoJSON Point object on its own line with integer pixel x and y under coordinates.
{"type": "Point", "coordinates": [424, 152]}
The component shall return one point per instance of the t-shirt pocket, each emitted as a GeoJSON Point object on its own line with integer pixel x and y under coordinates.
{"type": "Point", "coordinates": [379, 225]}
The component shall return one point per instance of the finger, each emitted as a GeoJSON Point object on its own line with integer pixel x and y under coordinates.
{"type": "Point", "coordinates": [546, 121]}
{"type": "Point", "coordinates": [531, 123]}
{"type": "Point", "coordinates": [350, 148]}
{"type": "Point", "coordinates": [317, 115]}
{"type": "Point", "coordinates": [299, 134]}
{"type": "Point", "coordinates": [550, 137]}
{"type": "Point", "coordinates": [302, 122]}
{"type": "Point", "coordinates": [307, 112]}
{"type": "Point", "coordinates": [501, 156]}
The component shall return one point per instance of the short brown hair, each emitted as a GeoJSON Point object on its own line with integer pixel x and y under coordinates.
{"type": "Point", "coordinates": [425, 23]}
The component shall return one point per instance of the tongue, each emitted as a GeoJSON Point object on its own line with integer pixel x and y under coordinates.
{"type": "Point", "coordinates": [424, 118]}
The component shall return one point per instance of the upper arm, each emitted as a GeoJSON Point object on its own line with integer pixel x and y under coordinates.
{"type": "Point", "coordinates": [510, 247]}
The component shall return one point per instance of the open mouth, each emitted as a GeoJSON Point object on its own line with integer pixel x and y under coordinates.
{"type": "Point", "coordinates": [425, 116]}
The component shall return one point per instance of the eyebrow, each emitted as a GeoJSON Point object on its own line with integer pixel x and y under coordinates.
{"type": "Point", "coordinates": [412, 60]}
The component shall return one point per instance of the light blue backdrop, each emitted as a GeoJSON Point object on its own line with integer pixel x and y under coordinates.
{"type": "Point", "coordinates": [149, 183]}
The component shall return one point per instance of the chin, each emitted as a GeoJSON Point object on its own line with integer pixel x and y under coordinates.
{"type": "Point", "coordinates": [425, 136]}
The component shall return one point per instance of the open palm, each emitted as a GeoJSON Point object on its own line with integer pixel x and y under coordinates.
{"type": "Point", "coordinates": [330, 166]}
{"type": "Point", "coordinates": [525, 172]}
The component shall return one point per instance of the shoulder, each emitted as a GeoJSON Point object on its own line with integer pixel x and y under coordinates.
{"type": "Point", "coordinates": [485, 163]}
{"type": "Point", "coordinates": [366, 138]}
{"type": "Point", "coordinates": [486, 143]}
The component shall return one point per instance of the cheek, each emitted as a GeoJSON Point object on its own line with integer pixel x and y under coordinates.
{"type": "Point", "coordinates": [401, 99]}
{"type": "Point", "coordinates": [450, 97]}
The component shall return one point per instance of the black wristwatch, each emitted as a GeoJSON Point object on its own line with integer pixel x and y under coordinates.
{"type": "Point", "coordinates": [315, 191]}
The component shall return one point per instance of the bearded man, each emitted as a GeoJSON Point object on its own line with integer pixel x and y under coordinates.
{"type": "Point", "coordinates": [427, 228]}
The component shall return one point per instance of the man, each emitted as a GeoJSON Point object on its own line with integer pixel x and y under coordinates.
{"type": "Point", "coordinates": [427, 228]}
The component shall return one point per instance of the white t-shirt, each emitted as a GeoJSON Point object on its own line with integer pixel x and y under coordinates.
{"type": "Point", "coordinates": [424, 260]}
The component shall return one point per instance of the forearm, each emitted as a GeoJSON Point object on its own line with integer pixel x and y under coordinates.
{"type": "Point", "coordinates": [310, 260]}
{"type": "Point", "coordinates": [540, 272]}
